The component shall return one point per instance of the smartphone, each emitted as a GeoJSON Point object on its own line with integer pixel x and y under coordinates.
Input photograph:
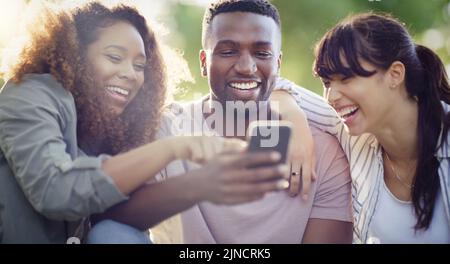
{"type": "Point", "coordinates": [270, 136]}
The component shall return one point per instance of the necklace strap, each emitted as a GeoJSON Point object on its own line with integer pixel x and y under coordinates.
{"type": "Point", "coordinates": [409, 186]}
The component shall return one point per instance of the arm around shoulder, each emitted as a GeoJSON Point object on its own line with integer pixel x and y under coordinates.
{"type": "Point", "coordinates": [293, 98]}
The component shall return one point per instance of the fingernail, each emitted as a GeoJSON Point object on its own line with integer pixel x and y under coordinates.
{"type": "Point", "coordinates": [292, 194]}
{"type": "Point", "coordinates": [282, 184]}
{"type": "Point", "coordinates": [275, 156]}
{"type": "Point", "coordinates": [283, 169]}
{"type": "Point", "coordinates": [305, 197]}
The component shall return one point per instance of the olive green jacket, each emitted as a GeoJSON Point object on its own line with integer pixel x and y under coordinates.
{"type": "Point", "coordinates": [47, 184]}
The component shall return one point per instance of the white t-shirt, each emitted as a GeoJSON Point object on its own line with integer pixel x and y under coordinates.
{"type": "Point", "coordinates": [401, 218]}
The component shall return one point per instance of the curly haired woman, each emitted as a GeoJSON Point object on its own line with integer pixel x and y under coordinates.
{"type": "Point", "coordinates": [90, 82]}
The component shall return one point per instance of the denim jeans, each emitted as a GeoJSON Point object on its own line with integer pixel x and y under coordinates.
{"type": "Point", "coordinates": [112, 232]}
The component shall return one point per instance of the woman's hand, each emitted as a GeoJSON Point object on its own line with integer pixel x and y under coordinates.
{"type": "Point", "coordinates": [200, 149]}
{"type": "Point", "coordinates": [231, 179]}
{"type": "Point", "coordinates": [301, 155]}
{"type": "Point", "coordinates": [301, 151]}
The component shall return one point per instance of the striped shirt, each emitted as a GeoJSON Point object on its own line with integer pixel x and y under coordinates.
{"type": "Point", "coordinates": [365, 158]}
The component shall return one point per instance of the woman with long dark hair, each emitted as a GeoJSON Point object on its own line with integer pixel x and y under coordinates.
{"type": "Point", "coordinates": [392, 101]}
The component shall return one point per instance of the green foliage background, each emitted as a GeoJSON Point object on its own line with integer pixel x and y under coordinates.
{"type": "Point", "coordinates": [304, 22]}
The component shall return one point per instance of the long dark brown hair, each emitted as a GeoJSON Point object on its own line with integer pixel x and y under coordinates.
{"type": "Point", "coordinates": [381, 40]}
{"type": "Point", "coordinates": [59, 48]}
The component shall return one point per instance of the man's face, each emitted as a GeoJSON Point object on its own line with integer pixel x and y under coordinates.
{"type": "Point", "coordinates": [242, 56]}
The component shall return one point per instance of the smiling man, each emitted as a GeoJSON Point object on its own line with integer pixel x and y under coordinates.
{"type": "Point", "coordinates": [241, 54]}
{"type": "Point", "coordinates": [241, 58]}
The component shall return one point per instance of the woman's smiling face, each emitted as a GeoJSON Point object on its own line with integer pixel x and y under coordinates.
{"type": "Point", "coordinates": [117, 60]}
{"type": "Point", "coordinates": [363, 103]}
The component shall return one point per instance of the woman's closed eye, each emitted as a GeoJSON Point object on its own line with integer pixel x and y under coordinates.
{"type": "Point", "coordinates": [326, 83]}
{"type": "Point", "coordinates": [114, 58]}
{"type": "Point", "coordinates": [139, 67]}
{"type": "Point", "coordinates": [346, 79]}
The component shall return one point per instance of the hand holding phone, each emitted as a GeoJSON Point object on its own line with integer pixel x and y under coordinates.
{"type": "Point", "coordinates": [270, 136]}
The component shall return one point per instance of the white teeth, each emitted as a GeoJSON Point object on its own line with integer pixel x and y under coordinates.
{"type": "Point", "coordinates": [346, 111]}
{"type": "Point", "coordinates": [244, 86]}
{"type": "Point", "coordinates": [118, 90]}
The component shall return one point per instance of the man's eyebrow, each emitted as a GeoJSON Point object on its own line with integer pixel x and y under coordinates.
{"type": "Point", "coordinates": [262, 43]}
{"type": "Point", "coordinates": [233, 43]}
{"type": "Point", "coordinates": [227, 42]}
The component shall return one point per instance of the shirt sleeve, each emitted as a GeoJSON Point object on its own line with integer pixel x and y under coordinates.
{"type": "Point", "coordinates": [166, 129]}
{"type": "Point", "coordinates": [175, 120]}
{"type": "Point", "coordinates": [333, 194]}
{"type": "Point", "coordinates": [58, 185]}
{"type": "Point", "coordinates": [318, 112]}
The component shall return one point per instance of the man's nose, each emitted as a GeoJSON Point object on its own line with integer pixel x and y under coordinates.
{"type": "Point", "coordinates": [246, 64]}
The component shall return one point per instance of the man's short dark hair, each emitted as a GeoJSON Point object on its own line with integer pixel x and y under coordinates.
{"type": "Point", "coordinates": [260, 7]}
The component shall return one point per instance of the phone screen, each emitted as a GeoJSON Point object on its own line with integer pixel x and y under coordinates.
{"type": "Point", "coordinates": [270, 137]}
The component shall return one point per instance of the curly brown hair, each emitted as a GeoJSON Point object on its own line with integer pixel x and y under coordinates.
{"type": "Point", "coordinates": [60, 49]}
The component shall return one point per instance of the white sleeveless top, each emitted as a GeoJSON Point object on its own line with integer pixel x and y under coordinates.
{"type": "Point", "coordinates": [394, 222]}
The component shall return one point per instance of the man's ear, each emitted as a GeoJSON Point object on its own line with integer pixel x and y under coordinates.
{"type": "Point", "coordinates": [396, 74]}
{"type": "Point", "coordinates": [203, 68]}
{"type": "Point", "coordinates": [279, 60]}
